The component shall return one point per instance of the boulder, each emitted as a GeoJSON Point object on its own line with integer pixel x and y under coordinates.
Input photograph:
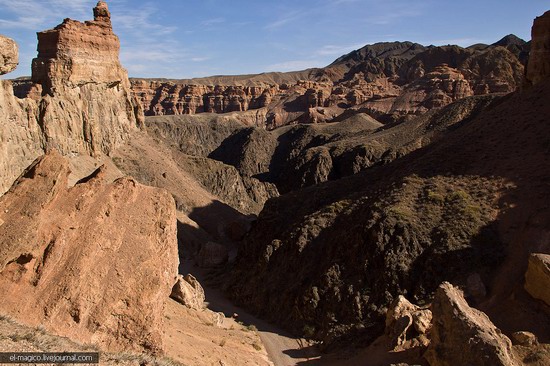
{"type": "Point", "coordinates": [95, 262]}
{"type": "Point", "coordinates": [537, 277]}
{"type": "Point", "coordinates": [212, 254]}
{"type": "Point", "coordinates": [9, 55]}
{"type": "Point", "coordinates": [462, 335]}
{"type": "Point", "coordinates": [407, 325]}
{"type": "Point", "coordinates": [189, 292]}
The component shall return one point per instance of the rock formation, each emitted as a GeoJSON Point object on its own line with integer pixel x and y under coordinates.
{"type": "Point", "coordinates": [537, 278]}
{"type": "Point", "coordinates": [462, 335]}
{"type": "Point", "coordinates": [390, 80]}
{"type": "Point", "coordinates": [189, 292]}
{"type": "Point", "coordinates": [87, 106]}
{"type": "Point", "coordinates": [82, 100]}
{"type": "Point", "coordinates": [21, 138]}
{"type": "Point", "coordinates": [9, 55]}
{"type": "Point", "coordinates": [538, 67]}
{"type": "Point", "coordinates": [95, 262]}
{"type": "Point", "coordinates": [407, 325]}
{"type": "Point", "coordinates": [350, 247]}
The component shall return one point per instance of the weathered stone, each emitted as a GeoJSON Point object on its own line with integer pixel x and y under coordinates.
{"type": "Point", "coordinates": [524, 338]}
{"type": "Point", "coordinates": [9, 55]}
{"type": "Point", "coordinates": [80, 100]}
{"type": "Point", "coordinates": [537, 277]}
{"type": "Point", "coordinates": [94, 262]}
{"type": "Point", "coordinates": [462, 335]}
{"type": "Point", "coordinates": [74, 54]}
{"type": "Point", "coordinates": [538, 66]}
{"type": "Point", "coordinates": [212, 254]}
{"type": "Point", "coordinates": [189, 292]}
{"type": "Point", "coordinates": [407, 325]}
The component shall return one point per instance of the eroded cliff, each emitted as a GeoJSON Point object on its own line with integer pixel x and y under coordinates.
{"type": "Point", "coordinates": [80, 101]}
{"type": "Point", "coordinates": [387, 80]}
{"type": "Point", "coordinates": [72, 260]}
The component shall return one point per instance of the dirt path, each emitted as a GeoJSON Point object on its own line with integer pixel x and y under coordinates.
{"type": "Point", "coordinates": [282, 348]}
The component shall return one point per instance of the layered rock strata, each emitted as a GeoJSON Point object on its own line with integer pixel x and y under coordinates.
{"type": "Point", "coordinates": [95, 262]}
{"type": "Point", "coordinates": [21, 139]}
{"type": "Point", "coordinates": [389, 80]}
{"type": "Point", "coordinates": [86, 104]}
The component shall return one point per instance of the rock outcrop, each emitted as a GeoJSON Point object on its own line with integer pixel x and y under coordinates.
{"type": "Point", "coordinates": [538, 67]}
{"type": "Point", "coordinates": [537, 278]}
{"type": "Point", "coordinates": [21, 138]}
{"type": "Point", "coordinates": [87, 106]}
{"type": "Point", "coordinates": [9, 55]}
{"type": "Point", "coordinates": [188, 292]}
{"type": "Point", "coordinates": [407, 325]}
{"type": "Point", "coordinates": [79, 101]}
{"type": "Point", "coordinates": [95, 262]}
{"type": "Point", "coordinates": [462, 335]}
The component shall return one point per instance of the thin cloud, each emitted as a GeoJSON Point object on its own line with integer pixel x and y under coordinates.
{"type": "Point", "coordinates": [199, 59]}
{"type": "Point", "coordinates": [284, 20]}
{"type": "Point", "coordinates": [391, 17]}
{"type": "Point", "coordinates": [211, 22]}
{"type": "Point", "coordinates": [139, 21]}
{"type": "Point", "coordinates": [34, 14]}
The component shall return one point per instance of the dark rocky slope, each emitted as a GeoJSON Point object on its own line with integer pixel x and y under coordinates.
{"type": "Point", "coordinates": [325, 261]}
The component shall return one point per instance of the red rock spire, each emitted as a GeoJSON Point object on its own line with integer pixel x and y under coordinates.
{"type": "Point", "coordinates": [101, 12]}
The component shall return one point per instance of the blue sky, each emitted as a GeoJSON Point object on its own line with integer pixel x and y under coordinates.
{"type": "Point", "coordinates": [193, 38]}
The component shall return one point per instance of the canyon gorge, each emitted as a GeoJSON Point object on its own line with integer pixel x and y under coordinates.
{"type": "Point", "coordinates": [390, 208]}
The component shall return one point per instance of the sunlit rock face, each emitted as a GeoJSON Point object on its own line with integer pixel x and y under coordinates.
{"type": "Point", "coordinates": [538, 67]}
{"type": "Point", "coordinates": [79, 101]}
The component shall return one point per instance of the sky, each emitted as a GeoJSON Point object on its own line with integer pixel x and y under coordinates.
{"type": "Point", "coordinates": [181, 39]}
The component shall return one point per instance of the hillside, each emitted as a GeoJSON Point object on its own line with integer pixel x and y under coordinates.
{"type": "Point", "coordinates": [464, 205]}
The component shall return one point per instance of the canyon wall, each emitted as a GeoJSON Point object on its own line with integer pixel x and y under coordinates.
{"type": "Point", "coordinates": [469, 204]}
{"type": "Point", "coordinates": [387, 80]}
{"type": "Point", "coordinates": [79, 101]}
{"type": "Point", "coordinates": [538, 67]}
{"type": "Point", "coordinates": [95, 261]}
{"type": "Point", "coordinates": [21, 137]}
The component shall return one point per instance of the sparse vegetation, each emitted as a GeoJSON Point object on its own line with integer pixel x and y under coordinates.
{"type": "Point", "coordinates": [14, 335]}
{"type": "Point", "coordinates": [251, 328]}
{"type": "Point", "coordinates": [308, 331]}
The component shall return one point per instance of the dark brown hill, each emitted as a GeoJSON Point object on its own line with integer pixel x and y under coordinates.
{"type": "Point", "coordinates": [325, 261]}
